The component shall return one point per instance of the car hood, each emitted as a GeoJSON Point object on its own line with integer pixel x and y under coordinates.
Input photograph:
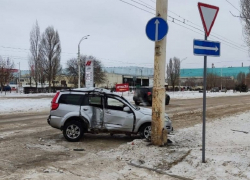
{"type": "Point", "coordinates": [146, 111]}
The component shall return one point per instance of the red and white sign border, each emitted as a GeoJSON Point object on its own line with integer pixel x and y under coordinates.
{"type": "Point", "coordinates": [207, 31]}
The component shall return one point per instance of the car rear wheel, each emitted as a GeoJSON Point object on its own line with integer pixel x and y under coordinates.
{"type": "Point", "coordinates": [145, 132]}
{"type": "Point", "coordinates": [73, 131]}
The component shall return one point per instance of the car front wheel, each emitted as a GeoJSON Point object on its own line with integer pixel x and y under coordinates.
{"type": "Point", "coordinates": [167, 101]}
{"type": "Point", "coordinates": [137, 103]}
{"type": "Point", "coordinates": [145, 132]}
{"type": "Point", "coordinates": [73, 131]}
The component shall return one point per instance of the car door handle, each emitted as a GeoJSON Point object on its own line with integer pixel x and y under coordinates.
{"type": "Point", "coordinates": [108, 112]}
{"type": "Point", "coordinates": [85, 109]}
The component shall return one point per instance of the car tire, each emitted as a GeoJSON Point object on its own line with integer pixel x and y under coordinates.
{"type": "Point", "coordinates": [137, 103]}
{"type": "Point", "coordinates": [167, 101]}
{"type": "Point", "coordinates": [145, 132]}
{"type": "Point", "coordinates": [73, 131]}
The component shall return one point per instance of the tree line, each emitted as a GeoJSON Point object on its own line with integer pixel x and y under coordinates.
{"type": "Point", "coordinates": [213, 80]}
{"type": "Point", "coordinates": [45, 59]}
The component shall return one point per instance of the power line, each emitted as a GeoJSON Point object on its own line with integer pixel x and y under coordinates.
{"type": "Point", "coordinates": [137, 7]}
{"type": "Point", "coordinates": [28, 49]}
{"type": "Point", "coordinates": [231, 44]}
{"type": "Point", "coordinates": [236, 46]}
{"type": "Point", "coordinates": [186, 20]}
{"type": "Point", "coordinates": [144, 5]}
{"type": "Point", "coordinates": [233, 6]}
{"type": "Point", "coordinates": [186, 27]}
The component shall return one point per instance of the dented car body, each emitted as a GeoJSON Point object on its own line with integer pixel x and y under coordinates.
{"type": "Point", "coordinates": [92, 110]}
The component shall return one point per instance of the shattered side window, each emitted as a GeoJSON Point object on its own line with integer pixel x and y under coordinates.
{"type": "Point", "coordinates": [95, 100]}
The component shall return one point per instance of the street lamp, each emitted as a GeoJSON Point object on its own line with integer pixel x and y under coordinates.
{"type": "Point", "coordinates": [180, 72]}
{"type": "Point", "coordinates": [221, 77]}
{"type": "Point", "coordinates": [141, 75]}
{"type": "Point", "coordinates": [85, 37]}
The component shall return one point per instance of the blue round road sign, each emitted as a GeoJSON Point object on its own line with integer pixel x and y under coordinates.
{"type": "Point", "coordinates": [156, 28]}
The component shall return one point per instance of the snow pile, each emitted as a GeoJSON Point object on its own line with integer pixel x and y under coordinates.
{"type": "Point", "coordinates": [196, 94]}
{"type": "Point", "coordinates": [14, 94]}
{"type": "Point", "coordinates": [189, 94]}
{"type": "Point", "coordinates": [227, 151]}
{"type": "Point", "coordinates": [24, 105]}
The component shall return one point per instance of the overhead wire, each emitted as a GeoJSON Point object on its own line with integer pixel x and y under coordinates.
{"type": "Point", "coordinates": [232, 5]}
{"type": "Point", "coordinates": [221, 37]}
{"type": "Point", "coordinates": [227, 42]}
{"type": "Point", "coordinates": [182, 24]}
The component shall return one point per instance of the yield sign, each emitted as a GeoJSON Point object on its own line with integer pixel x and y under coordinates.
{"type": "Point", "coordinates": [208, 15]}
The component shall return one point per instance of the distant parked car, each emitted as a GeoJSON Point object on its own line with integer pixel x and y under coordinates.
{"type": "Point", "coordinates": [144, 95]}
{"type": "Point", "coordinates": [6, 88]}
{"type": "Point", "coordinates": [201, 91]}
{"type": "Point", "coordinates": [224, 90]}
{"type": "Point", "coordinates": [215, 89]}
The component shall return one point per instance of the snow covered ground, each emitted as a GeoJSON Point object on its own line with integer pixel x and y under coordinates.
{"type": "Point", "coordinates": [10, 102]}
{"type": "Point", "coordinates": [227, 143]}
{"type": "Point", "coordinates": [227, 152]}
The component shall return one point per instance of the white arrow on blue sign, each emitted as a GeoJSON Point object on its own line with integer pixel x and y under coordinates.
{"type": "Point", "coordinates": [156, 29]}
{"type": "Point", "coordinates": [206, 48]}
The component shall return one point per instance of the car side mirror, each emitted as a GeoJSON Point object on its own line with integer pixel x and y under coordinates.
{"type": "Point", "coordinates": [126, 109]}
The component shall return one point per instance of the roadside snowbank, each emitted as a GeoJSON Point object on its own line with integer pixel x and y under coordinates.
{"type": "Point", "coordinates": [227, 151]}
{"type": "Point", "coordinates": [24, 105]}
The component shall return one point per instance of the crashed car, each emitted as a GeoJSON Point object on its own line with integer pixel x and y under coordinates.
{"type": "Point", "coordinates": [93, 110]}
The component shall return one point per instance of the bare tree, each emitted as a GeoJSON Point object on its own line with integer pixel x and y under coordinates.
{"type": "Point", "coordinates": [173, 71]}
{"type": "Point", "coordinates": [6, 71]}
{"type": "Point", "coordinates": [50, 54]}
{"type": "Point", "coordinates": [212, 80]}
{"type": "Point", "coordinates": [190, 82]}
{"type": "Point", "coordinates": [245, 17]}
{"type": "Point", "coordinates": [35, 39]}
{"type": "Point", "coordinates": [241, 78]}
{"type": "Point", "coordinates": [72, 68]}
{"type": "Point", "coordinates": [248, 80]}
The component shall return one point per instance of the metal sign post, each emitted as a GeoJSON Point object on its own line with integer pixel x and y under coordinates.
{"type": "Point", "coordinates": [89, 74]}
{"type": "Point", "coordinates": [206, 48]}
{"type": "Point", "coordinates": [204, 107]}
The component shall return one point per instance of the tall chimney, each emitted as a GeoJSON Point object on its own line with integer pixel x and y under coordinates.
{"type": "Point", "coordinates": [242, 65]}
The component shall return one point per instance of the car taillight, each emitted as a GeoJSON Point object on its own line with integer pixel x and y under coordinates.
{"type": "Point", "coordinates": [149, 93]}
{"type": "Point", "coordinates": [55, 105]}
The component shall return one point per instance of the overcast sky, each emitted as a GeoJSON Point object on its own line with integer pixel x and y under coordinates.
{"type": "Point", "coordinates": [117, 31]}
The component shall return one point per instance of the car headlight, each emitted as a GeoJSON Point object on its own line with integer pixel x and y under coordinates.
{"type": "Point", "coordinates": [167, 118]}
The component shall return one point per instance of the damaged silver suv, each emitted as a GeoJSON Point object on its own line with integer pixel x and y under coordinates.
{"type": "Point", "coordinates": [93, 110]}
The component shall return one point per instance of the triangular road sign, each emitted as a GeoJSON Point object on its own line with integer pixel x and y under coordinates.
{"type": "Point", "coordinates": [208, 15]}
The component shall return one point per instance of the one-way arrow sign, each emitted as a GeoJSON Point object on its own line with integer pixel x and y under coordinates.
{"type": "Point", "coordinates": [206, 48]}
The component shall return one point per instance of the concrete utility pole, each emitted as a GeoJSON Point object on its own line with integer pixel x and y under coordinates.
{"type": "Point", "coordinates": [159, 134]}
{"type": "Point", "coordinates": [79, 76]}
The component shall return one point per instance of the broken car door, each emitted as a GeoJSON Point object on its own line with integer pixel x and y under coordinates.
{"type": "Point", "coordinates": [115, 118]}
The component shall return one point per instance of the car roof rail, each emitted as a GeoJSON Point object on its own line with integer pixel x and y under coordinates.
{"type": "Point", "coordinates": [91, 90]}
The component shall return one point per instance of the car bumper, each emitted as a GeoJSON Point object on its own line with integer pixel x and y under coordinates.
{"type": "Point", "coordinates": [169, 127]}
{"type": "Point", "coordinates": [54, 121]}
